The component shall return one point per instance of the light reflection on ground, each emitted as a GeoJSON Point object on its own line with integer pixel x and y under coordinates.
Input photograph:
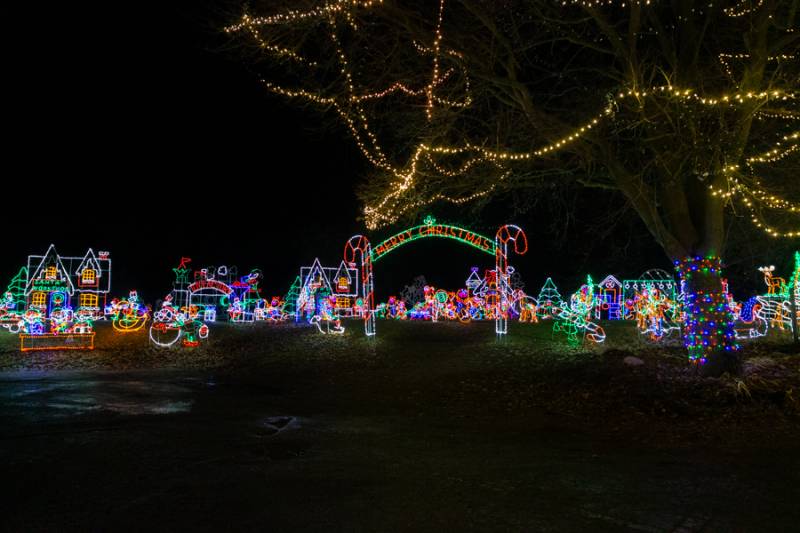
{"type": "Point", "coordinates": [54, 397]}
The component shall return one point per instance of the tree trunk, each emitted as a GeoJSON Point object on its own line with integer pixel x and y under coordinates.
{"type": "Point", "coordinates": [689, 227]}
{"type": "Point", "coordinates": [708, 322]}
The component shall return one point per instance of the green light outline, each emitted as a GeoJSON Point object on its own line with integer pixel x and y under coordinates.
{"type": "Point", "coordinates": [416, 236]}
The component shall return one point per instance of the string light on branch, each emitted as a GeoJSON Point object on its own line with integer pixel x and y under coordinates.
{"type": "Point", "coordinates": [377, 214]}
{"type": "Point", "coordinates": [725, 58]}
{"type": "Point", "coordinates": [753, 197]}
{"type": "Point", "coordinates": [410, 183]}
{"type": "Point", "coordinates": [603, 3]}
{"type": "Point", "coordinates": [294, 15]}
{"type": "Point", "coordinates": [779, 152]}
{"type": "Point", "coordinates": [278, 50]}
{"type": "Point", "coordinates": [743, 8]}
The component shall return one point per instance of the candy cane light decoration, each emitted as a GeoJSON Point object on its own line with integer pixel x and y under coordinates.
{"type": "Point", "coordinates": [358, 251]}
{"type": "Point", "coordinates": [506, 234]}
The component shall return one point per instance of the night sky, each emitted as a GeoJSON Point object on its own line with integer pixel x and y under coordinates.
{"type": "Point", "coordinates": [131, 131]}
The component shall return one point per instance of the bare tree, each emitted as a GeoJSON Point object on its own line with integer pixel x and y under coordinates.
{"type": "Point", "coordinates": [685, 109]}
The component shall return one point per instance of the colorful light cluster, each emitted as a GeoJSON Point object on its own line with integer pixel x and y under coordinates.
{"type": "Point", "coordinates": [464, 305]}
{"type": "Point", "coordinates": [573, 319]}
{"type": "Point", "coordinates": [708, 325]}
{"type": "Point", "coordinates": [360, 255]}
{"type": "Point", "coordinates": [656, 314]}
{"type": "Point", "coordinates": [127, 315]}
{"type": "Point", "coordinates": [14, 304]}
{"type": "Point", "coordinates": [774, 308]}
{"type": "Point", "coordinates": [171, 325]}
{"type": "Point", "coordinates": [274, 311]}
{"type": "Point", "coordinates": [62, 329]}
{"type": "Point", "coordinates": [53, 301]}
{"type": "Point", "coordinates": [327, 316]}
{"type": "Point", "coordinates": [748, 320]}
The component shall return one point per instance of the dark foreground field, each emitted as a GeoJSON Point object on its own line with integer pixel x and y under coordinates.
{"type": "Point", "coordinates": [437, 427]}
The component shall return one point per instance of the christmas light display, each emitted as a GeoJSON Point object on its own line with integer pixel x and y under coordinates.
{"type": "Point", "coordinates": [656, 314]}
{"type": "Point", "coordinates": [171, 324]}
{"type": "Point", "coordinates": [747, 322]}
{"type": "Point", "coordinates": [608, 298]}
{"type": "Point", "coordinates": [549, 300]}
{"type": "Point", "coordinates": [62, 329]}
{"type": "Point", "coordinates": [53, 301]}
{"type": "Point", "coordinates": [273, 311]}
{"type": "Point", "coordinates": [793, 287]}
{"type": "Point", "coordinates": [127, 315]}
{"type": "Point", "coordinates": [12, 307]}
{"type": "Point", "coordinates": [219, 293]}
{"type": "Point", "coordinates": [476, 301]}
{"type": "Point", "coordinates": [775, 307]}
{"type": "Point", "coordinates": [326, 315]}
{"type": "Point", "coordinates": [56, 281]}
{"type": "Point", "coordinates": [56, 341]}
{"type": "Point", "coordinates": [574, 318]}
{"type": "Point", "coordinates": [648, 283]}
{"type": "Point", "coordinates": [319, 283]}
{"type": "Point", "coordinates": [774, 312]}
{"type": "Point", "coordinates": [754, 317]}
{"type": "Point", "coordinates": [505, 235]}
{"type": "Point", "coordinates": [414, 292]}
{"type": "Point", "coordinates": [449, 75]}
{"type": "Point", "coordinates": [431, 229]}
{"type": "Point", "coordinates": [527, 308]}
{"type": "Point", "coordinates": [708, 322]}
{"type": "Point", "coordinates": [360, 254]}
{"type": "Point", "coordinates": [774, 285]}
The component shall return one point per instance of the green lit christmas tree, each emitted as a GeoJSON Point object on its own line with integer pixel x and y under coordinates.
{"type": "Point", "coordinates": [549, 294]}
{"type": "Point", "coordinates": [16, 288]}
{"type": "Point", "coordinates": [290, 300]}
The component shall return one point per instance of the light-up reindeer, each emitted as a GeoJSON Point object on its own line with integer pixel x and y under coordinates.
{"type": "Point", "coordinates": [774, 285]}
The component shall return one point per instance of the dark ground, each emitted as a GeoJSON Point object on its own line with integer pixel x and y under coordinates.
{"type": "Point", "coordinates": [436, 427]}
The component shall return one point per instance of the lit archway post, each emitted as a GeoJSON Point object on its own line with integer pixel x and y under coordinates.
{"type": "Point", "coordinates": [506, 234]}
{"type": "Point", "coordinates": [358, 247]}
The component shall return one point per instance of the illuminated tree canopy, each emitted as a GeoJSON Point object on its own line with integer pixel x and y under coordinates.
{"type": "Point", "coordinates": [683, 108]}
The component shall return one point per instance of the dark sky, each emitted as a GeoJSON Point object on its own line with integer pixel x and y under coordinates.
{"type": "Point", "coordinates": [129, 131]}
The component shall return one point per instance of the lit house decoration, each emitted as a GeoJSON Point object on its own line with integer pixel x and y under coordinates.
{"type": "Point", "coordinates": [474, 280]}
{"type": "Point", "coordinates": [330, 289]}
{"type": "Point", "coordinates": [608, 299]}
{"type": "Point", "coordinates": [79, 283]}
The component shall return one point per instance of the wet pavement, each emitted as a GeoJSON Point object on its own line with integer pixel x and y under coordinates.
{"type": "Point", "coordinates": [172, 450]}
